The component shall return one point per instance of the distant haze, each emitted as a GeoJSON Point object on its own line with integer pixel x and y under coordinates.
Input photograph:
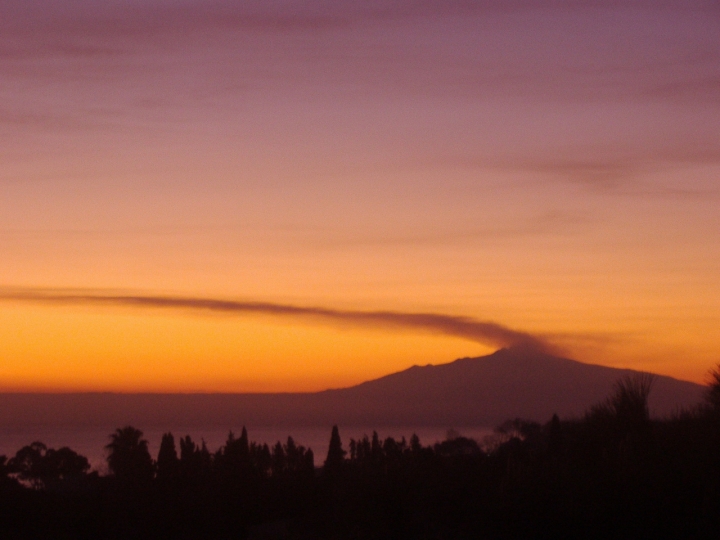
{"type": "Point", "coordinates": [468, 392]}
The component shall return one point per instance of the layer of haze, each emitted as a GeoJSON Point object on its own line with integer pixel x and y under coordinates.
{"type": "Point", "coordinates": [552, 168]}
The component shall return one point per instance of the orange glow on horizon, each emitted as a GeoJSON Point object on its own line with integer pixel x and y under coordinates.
{"type": "Point", "coordinates": [76, 349]}
{"type": "Point", "coordinates": [145, 350]}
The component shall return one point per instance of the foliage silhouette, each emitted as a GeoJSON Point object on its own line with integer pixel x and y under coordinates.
{"type": "Point", "coordinates": [128, 456]}
{"type": "Point", "coordinates": [712, 397]}
{"type": "Point", "coordinates": [336, 453]}
{"type": "Point", "coordinates": [168, 463]}
{"type": "Point", "coordinates": [628, 403]}
{"type": "Point", "coordinates": [43, 467]}
{"type": "Point", "coordinates": [613, 473]}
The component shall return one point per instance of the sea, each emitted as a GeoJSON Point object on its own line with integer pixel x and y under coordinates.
{"type": "Point", "coordinates": [91, 441]}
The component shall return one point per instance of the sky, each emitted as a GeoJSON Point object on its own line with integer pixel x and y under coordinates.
{"type": "Point", "coordinates": [247, 196]}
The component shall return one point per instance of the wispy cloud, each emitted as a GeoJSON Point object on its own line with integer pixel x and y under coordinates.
{"type": "Point", "coordinates": [485, 332]}
{"type": "Point", "coordinates": [619, 171]}
{"type": "Point", "coordinates": [194, 59]}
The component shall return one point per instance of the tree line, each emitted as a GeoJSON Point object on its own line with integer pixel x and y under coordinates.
{"type": "Point", "coordinates": [614, 472]}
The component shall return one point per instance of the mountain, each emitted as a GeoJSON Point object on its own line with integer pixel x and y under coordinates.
{"type": "Point", "coordinates": [481, 391]}
{"type": "Point", "coordinates": [506, 384]}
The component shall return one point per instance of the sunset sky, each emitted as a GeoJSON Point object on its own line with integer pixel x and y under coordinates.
{"type": "Point", "coordinates": [228, 195]}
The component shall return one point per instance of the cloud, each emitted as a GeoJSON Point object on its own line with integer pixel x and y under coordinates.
{"type": "Point", "coordinates": [548, 223]}
{"type": "Point", "coordinates": [616, 170]}
{"type": "Point", "coordinates": [485, 332]}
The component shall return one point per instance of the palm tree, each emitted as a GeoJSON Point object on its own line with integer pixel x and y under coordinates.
{"type": "Point", "coordinates": [128, 456]}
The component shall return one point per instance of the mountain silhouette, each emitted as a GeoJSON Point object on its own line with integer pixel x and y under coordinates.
{"type": "Point", "coordinates": [482, 391]}
{"type": "Point", "coordinates": [509, 383]}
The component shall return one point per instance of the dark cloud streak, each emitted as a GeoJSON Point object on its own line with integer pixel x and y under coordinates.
{"type": "Point", "coordinates": [485, 332]}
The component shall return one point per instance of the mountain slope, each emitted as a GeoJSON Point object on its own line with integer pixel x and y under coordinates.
{"type": "Point", "coordinates": [506, 384]}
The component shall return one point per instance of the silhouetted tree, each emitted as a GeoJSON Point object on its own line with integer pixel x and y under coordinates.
{"type": "Point", "coordinates": [41, 466]}
{"type": "Point", "coordinates": [626, 411]}
{"type": "Point", "coordinates": [459, 446]}
{"type": "Point", "coordinates": [279, 462]}
{"type": "Point", "coordinates": [712, 396]}
{"type": "Point", "coordinates": [309, 460]}
{"type": "Point", "coordinates": [233, 460]}
{"type": "Point", "coordinates": [362, 450]}
{"type": "Point", "coordinates": [187, 449]}
{"type": "Point", "coordinates": [376, 451]}
{"type": "Point", "coordinates": [29, 464]}
{"type": "Point", "coordinates": [261, 456]}
{"type": "Point", "coordinates": [64, 464]}
{"type": "Point", "coordinates": [167, 460]}
{"type": "Point", "coordinates": [298, 458]}
{"type": "Point", "coordinates": [195, 461]}
{"type": "Point", "coordinates": [394, 450]}
{"type": "Point", "coordinates": [336, 454]}
{"type": "Point", "coordinates": [353, 450]}
{"type": "Point", "coordinates": [630, 399]}
{"type": "Point", "coordinates": [128, 456]}
{"type": "Point", "coordinates": [415, 446]}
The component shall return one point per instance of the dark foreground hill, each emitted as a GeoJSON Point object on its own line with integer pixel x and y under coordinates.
{"type": "Point", "coordinates": [468, 392]}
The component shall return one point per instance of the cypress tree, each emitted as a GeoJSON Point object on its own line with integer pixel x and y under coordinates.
{"type": "Point", "coordinates": [336, 454]}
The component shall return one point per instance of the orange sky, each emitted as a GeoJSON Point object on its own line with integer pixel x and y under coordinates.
{"type": "Point", "coordinates": [553, 169]}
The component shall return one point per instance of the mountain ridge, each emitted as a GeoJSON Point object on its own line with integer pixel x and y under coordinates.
{"type": "Point", "coordinates": [544, 386]}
